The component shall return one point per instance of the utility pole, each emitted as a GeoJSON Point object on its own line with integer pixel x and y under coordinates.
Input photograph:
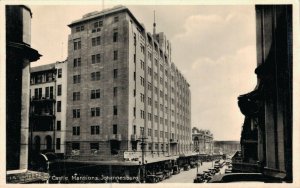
{"type": "Point", "coordinates": [143, 158]}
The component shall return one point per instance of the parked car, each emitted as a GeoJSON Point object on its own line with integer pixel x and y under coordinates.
{"type": "Point", "coordinates": [199, 178]}
{"type": "Point", "coordinates": [176, 169]}
{"type": "Point", "coordinates": [186, 167]}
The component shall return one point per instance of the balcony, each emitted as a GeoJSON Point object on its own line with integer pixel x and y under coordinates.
{"type": "Point", "coordinates": [116, 137]}
{"type": "Point", "coordinates": [134, 137]}
{"type": "Point", "coordinates": [40, 98]}
{"type": "Point", "coordinates": [173, 141]}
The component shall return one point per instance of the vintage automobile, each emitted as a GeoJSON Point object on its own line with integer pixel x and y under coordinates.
{"type": "Point", "coordinates": [199, 178]}
{"type": "Point", "coordinates": [186, 167]}
{"type": "Point", "coordinates": [176, 169]}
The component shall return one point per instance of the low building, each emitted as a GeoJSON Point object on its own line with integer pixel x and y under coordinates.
{"type": "Point", "coordinates": [48, 93]}
{"type": "Point", "coordinates": [202, 141]}
{"type": "Point", "coordinates": [226, 147]}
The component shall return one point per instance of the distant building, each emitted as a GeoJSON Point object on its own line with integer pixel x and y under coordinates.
{"type": "Point", "coordinates": [48, 106]}
{"type": "Point", "coordinates": [202, 141]}
{"type": "Point", "coordinates": [266, 138]}
{"type": "Point", "coordinates": [123, 86]}
{"type": "Point", "coordinates": [226, 147]}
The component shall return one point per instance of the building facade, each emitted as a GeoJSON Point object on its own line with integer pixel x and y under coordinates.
{"type": "Point", "coordinates": [19, 54]}
{"type": "Point", "coordinates": [268, 109]}
{"type": "Point", "coordinates": [123, 88]}
{"type": "Point", "coordinates": [48, 105]}
{"type": "Point", "coordinates": [226, 147]}
{"type": "Point", "coordinates": [203, 141]}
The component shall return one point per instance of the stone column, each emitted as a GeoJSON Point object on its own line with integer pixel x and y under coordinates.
{"type": "Point", "coordinates": [25, 115]}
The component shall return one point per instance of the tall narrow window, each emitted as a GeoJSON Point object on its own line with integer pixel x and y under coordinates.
{"type": "Point", "coordinates": [115, 110]}
{"type": "Point", "coordinates": [77, 44]}
{"type": "Point", "coordinates": [115, 73]}
{"type": "Point", "coordinates": [115, 35]}
{"type": "Point", "coordinates": [58, 90]}
{"type": "Point", "coordinates": [58, 106]}
{"type": "Point", "coordinates": [115, 54]}
{"type": "Point", "coordinates": [59, 73]}
{"type": "Point", "coordinates": [115, 91]}
{"type": "Point", "coordinates": [115, 129]}
{"type": "Point", "coordinates": [58, 143]}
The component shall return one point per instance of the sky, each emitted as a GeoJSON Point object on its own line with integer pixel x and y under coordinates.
{"type": "Point", "coordinates": [214, 46]}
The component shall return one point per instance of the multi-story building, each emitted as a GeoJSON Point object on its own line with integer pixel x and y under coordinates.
{"type": "Point", "coordinates": [123, 86]}
{"type": "Point", "coordinates": [48, 93]}
{"type": "Point", "coordinates": [266, 138]}
{"type": "Point", "coordinates": [203, 141]}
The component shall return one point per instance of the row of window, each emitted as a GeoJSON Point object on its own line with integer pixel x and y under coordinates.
{"type": "Point", "coordinates": [95, 130]}
{"type": "Point", "coordinates": [95, 111]}
{"type": "Point", "coordinates": [94, 76]}
{"type": "Point", "coordinates": [95, 94]}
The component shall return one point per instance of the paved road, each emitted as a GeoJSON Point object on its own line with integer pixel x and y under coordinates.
{"type": "Point", "coordinates": [188, 176]}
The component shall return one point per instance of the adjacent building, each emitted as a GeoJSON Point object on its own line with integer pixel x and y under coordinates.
{"type": "Point", "coordinates": [48, 104]}
{"type": "Point", "coordinates": [123, 89]}
{"type": "Point", "coordinates": [266, 139]}
{"type": "Point", "coordinates": [203, 141]}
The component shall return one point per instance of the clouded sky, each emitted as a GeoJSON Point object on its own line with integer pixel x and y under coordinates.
{"type": "Point", "coordinates": [213, 46]}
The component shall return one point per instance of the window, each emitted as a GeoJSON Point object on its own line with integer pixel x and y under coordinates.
{"type": "Point", "coordinates": [115, 129]}
{"type": "Point", "coordinates": [149, 132]}
{"type": "Point", "coordinates": [58, 106]}
{"type": "Point", "coordinates": [142, 65]}
{"type": "Point", "coordinates": [115, 110]}
{"type": "Point", "coordinates": [77, 44]}
{"type": "Point", "coordinates": [58, 143]}
{"type": "Point", "coordinates": [59, 73]}
{"type": "Point", "coordinates": [76, 130]}
{"type": "Point", "coordinates": [156, 134]}
{"type": "Point", "coordinates": [95, 94]}
{"type": "Point", "coordinates": [58, 125]}
{"type": "Point", "coordinates": [115, 54]}
{"type": "Point", "coordinates": [79, 28]}
{"type": "Point", "coordinates": [47, 92]}
{"type": "Point", "coordinates": [142, 97]}
{"type": "Point", "coordinates": [142, 81]}
{"type": "Point", "coordinates": [94, 146]}
{"type": "Point", "coordinates": [115, 35]}
{"type": "Point", "coordinates": [116, 19]}
{"type": "Point", "coordinates": [76, 113]}
{"type": "Point", "coordinates": [76, 79]}
{"type": "Point", "coordinates": [161, 134]}
{"type": "Point", "coordinates": [58, 90]}
{"type": "Point", "coordinates": [149, 86]}
{"type": "Point", "coordinates": [115, 91]}
{"type": "Point", "coordinates": [142, 114]}
{"type": "Point", "coordinates": [134, 129]}
{"type": "Point", "coordinates": [98, 24]}
{"type": "Point", "coordinates": [95, 111]}
{"type": "Point", "coordinates": [76, 96]}
{"type": "Point", "coordinates": [115, 73]}
{"type": "Point", "coordinates": [77, 62]}
{"type": "Point", "coordinates": [96, 41]}
{"type": "Point", "coordinates": [51, 92]}
{"type": "Point", "coordinates": [142, 131]}
{"type": "Point", "coordinates": [95, 76]}
{"type": "Point", "coordinates": [149, 116]}
{"type": "Point", "coordinates": [134, 111]}
{"type": "Point", "coordinates": [75, 146]}
{"type": "Point", "coordinates": [149, 101]}
{"type": "Point", "coordinates": [95, 129]}
{"type": "Point", "coordinates": [96, 58]}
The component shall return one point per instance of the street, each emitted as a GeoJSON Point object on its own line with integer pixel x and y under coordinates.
{"type": "Point", "coordinates": [188, 176]}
